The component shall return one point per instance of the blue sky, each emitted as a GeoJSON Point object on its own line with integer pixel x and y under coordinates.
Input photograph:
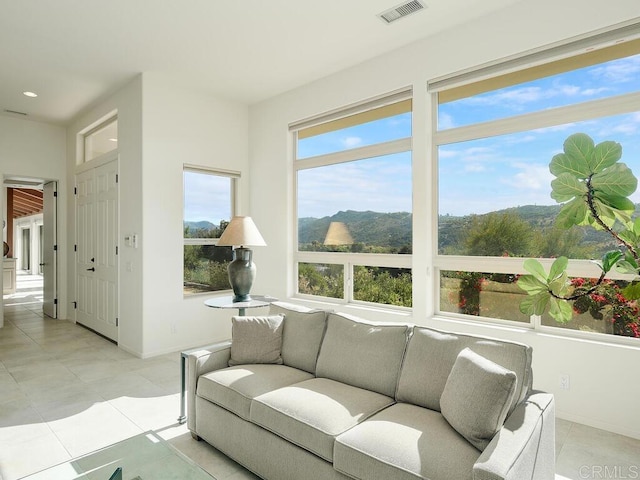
{"type": "Point", "coordinates": [479, 176]}
{"type": "Point", "coordinates": [206, 197]}
{"type": "Point", "coordinates": [511, 170]}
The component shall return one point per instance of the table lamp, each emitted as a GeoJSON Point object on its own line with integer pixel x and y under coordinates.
{"type": "Point", "coordinates": [241, 233]}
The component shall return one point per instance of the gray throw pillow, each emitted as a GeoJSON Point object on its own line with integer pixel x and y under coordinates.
{"type": "Point", "coordinates": [476, 397]}
{"type": "Point", "coordinates": [256, 340]}
{"type": "Point", "coordinates": [302, 334]}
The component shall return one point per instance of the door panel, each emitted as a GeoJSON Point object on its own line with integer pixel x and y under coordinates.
{"type": "Point", "coordinates": [96, 256]}
{"type": "Point", "coordinates": [49, 253]}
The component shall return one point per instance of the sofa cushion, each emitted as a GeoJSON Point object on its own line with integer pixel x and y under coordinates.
{"type": "Point", "coordinates": [312, 413]}
{"type": "Point", "coordinates": [362, 354]}
{"type": "Point", "coordinates": [256, 340]}
{"type": "Point", "coordinates": [476, 397]}
{"type": "Point", "coordinates": [430, 357]}
{"type": "Point", "coordinates": [302, 334]}
{"type": "Point", "coordinates": [404, 442]}
{"type": "Point", "coordinates": [235, 387]}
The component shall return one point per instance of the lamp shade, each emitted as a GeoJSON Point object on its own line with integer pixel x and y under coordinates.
{"type": "Point", "coordinates": [338, 234]}
{"type": "Point", "coordinates": [241, 231]}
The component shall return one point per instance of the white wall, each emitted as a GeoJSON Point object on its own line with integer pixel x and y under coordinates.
{"type": "Point", "coordinates": [182, 126]}
{"type": "Point", "coordinates": [162, 126]}
{"type": "Point", "coordinates": [128, 103]}
{"type": "Point", "coordinates": [600, 387]}
{"type": "Point", "coordinates": [38, 150]}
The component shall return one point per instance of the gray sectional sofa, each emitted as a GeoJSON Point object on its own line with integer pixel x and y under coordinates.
{"type": "Point", "coordinates": [337, 397]}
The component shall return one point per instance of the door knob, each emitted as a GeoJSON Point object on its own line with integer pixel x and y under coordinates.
{"type": "Point", "coordinates": [92, 269]}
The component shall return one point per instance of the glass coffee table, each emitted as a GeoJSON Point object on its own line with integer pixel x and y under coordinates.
{"type": "Point", "coordinates": [143, 457]}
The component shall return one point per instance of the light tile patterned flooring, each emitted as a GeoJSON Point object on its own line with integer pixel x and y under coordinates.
{"type": "Point", "coordinates": [65, 391]}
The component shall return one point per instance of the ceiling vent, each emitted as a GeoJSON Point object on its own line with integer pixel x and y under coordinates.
{"type": "Point", "coordinates": [401, 11]}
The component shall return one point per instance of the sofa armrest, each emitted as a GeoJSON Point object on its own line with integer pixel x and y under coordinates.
{"type": "Point", "coordinates": [199, 362]}
{"type": "Point", "coordinates": [524, 449]}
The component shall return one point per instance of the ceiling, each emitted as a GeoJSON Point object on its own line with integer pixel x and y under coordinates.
{"type": "Point", "coordinates": [74, 52]}
{"type": "Point", "coordinates": [26, 202]}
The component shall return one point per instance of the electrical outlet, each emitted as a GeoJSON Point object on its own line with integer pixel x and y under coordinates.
{"type": "Point", "coordinates": [565, 381]}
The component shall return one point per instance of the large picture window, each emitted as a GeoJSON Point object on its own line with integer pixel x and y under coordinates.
{"type": "Point", "coordinates": [209, 204]}
{"type": "Point", "coordinates": [354, 203]}
{"type": "Point", "coordinates": [494, 140]}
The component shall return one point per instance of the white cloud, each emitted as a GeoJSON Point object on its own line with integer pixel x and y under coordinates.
{"type": "Point", "coordinates": [350, 142]}
{"type": "Point", "coordinates": [445, 121]}
{"type": "Point", "coordinates": [529, 177]}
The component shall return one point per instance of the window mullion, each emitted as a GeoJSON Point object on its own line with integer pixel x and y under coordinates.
{"type": "Point", "coordinates": [620, 104]}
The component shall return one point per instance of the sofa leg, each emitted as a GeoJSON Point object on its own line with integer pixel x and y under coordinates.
{"type": "Point", "coordinates": [195, 436]}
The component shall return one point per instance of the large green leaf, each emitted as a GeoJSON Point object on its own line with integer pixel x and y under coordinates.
{"type": "Point", "coordinates": [573, 213]}
{"type": "Point", "coordinates": [566, 186]}
{"type": "Point", "coordinates": [632, 291]}
{"type": "Point", "coordinates": [535, 268]}
{"type": "Point", "coordinates": [624, 266]}
{"type": "Point", "coordinates": [563, 163]}
{"type": "Point", "coordinates": [558, 267]}
{"type": "Point", "coordinates": [580, 148]}
{"type": "Point", "coordinates": [535, 304]}
{"type": "Point", "coordinates": [617, 180]}
{"type": "Point", "coordinates": [532, 285]}
{"type": "Point", "coordinates": [559, 285]}
{"type": "Point", "coordinates": [609, 259]}
{"type": "Point", "coordinates": [560, 310]}
{"type": "Point", "coordinates": [605, 154]}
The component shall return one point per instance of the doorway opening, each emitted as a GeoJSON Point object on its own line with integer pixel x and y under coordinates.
{"type": "Point", "coordinates": [29, 267]}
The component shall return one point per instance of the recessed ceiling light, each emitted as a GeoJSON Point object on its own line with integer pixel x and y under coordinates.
{"type": "Point", "coordinates": [30, 94]}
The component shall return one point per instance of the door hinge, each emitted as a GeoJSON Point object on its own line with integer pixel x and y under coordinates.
{"type": "Point", "coordinates": [75, 190]}
{"type": "Point", "coordinates": [55, 301]}
{"type": "Point", "coordinates": [55, 194]}
{"type": "Point", "coordinates": [75, 248]}
{"type": "Point", "coordinates": [116, 249]}
{"type": "Point", "coordinates": [117, 322]}
{"type": "Point", "coordinates": [117, 178]}
{"type": "Point", "coordinates": [75, 305]}
{"type": "Point", "coordinates": [55, 248]}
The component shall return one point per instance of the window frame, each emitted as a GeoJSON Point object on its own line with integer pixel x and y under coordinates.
{"type": "Point", "coordinates": [86, 135]}
{"type": "Point", "coordinates": [346, 259]}
{"type": "Point", "coordinates": [576, 112]}
{"type": "Point", "coordinates": [234, 178]}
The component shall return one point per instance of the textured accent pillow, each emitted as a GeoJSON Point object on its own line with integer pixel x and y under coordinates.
{"type": "Point", "coordinates": [476, 397]}
{"type": "Point", "coordinates": [256, 340]}
{"type": "Point", "coordinates": [302, 334]}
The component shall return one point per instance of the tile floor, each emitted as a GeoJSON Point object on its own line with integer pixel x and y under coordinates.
{"type": "Point", "coordinates": [65, 391]}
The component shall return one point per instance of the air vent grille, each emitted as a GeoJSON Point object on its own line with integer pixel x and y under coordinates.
{"type": "Point", "coordinates": [401, 11]}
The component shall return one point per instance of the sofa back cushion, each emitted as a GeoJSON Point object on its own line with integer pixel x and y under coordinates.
{"type": "Point", "coordinates": [362, 354]}
{"type": "Point", "coordinates": [302, 334]}
{"type": "Point", "coordinates": [431, 355]}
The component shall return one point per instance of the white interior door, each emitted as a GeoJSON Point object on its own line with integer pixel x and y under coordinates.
{"type": "Point", "coordinates": [96, 255]}
{"type": "Point", "coordinates": [49, 250]}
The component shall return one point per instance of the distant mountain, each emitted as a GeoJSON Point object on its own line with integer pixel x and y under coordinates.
{"type": "Point", "coordinates": [201, 225]}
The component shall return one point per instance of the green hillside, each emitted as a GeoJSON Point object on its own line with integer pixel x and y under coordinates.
{"type": "Point", "coordinates": [393, 230]}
